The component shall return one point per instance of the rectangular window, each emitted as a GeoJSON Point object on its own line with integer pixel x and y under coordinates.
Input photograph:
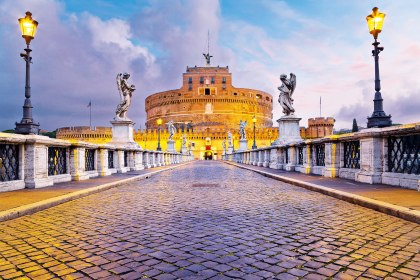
{"type": "Point", "coordinates": [190, 87]}
{"type": "Point", "coordinates": [207, 91]}
{"type": "Point", "coordinates": [224, 80]}
{"type": "Point", "coordinates": [201, 80]}
{"type": "Point", "coordinates": [212, 80]}
{"type": "Point", "coordinates": [190, 80]}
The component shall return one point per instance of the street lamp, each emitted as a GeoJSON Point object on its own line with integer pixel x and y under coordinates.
{"type": "Point", "coordinates": [378, 118]}
{"type": "Point", "coordinates": [254, 120]}
{"type": "Point", "coordinates": [233, 143]}
{"type": "Point", "coordinates": [27, 125]}
{"type": "Point", "coordinates": [159, 122]}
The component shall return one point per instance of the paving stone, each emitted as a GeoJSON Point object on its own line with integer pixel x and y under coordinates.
{"type": "Point", "coordinates": [251, 228]}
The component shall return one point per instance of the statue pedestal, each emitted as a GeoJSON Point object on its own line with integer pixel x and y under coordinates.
{"type": "Point", "coordinates": [184, 150]}
{"type": "Point", "coordinates": [122, 134]}
{"type": "Point", "coordinates": [230, 150]}
{"type": "Point", "coordinates": [243, 145]}
{"type": "Point", "coordinates": [289, 130]}
{"type": "Point", "coordinates": [171, 146]}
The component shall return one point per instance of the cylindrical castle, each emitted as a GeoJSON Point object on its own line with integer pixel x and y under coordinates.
{"type": "Point", "coordinates": [207, 100]}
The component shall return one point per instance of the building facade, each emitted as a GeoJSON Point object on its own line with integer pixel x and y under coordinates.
{"type": "Point", "coordinates": [204, 109]}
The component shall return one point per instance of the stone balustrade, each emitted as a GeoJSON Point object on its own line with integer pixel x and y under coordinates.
{"type": "Point", "coordinates": [33, 161]}
{"type": "Point", "coordinates": [378, 155]}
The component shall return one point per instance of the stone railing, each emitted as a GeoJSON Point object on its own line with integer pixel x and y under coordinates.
{"type": "Point", "coordinates": [378, 155]}
{"type": "Point", "coordinates": [33, 161]}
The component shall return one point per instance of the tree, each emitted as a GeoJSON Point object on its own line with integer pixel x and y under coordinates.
{"type": "Point", "coordinates": [355, 127]}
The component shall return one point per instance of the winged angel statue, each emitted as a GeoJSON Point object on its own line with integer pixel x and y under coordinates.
{"type": "Point", "coordinates": [286, 92]}
{"type": "Point", "coordinates": [171, 129]}
{"type": "Point", "coordinates": [126, 91]}
{"type": "Point", "coordinates": [242, 126]}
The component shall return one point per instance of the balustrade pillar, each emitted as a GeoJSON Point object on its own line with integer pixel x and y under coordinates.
{"type": "Point", "coordinates": [36, 165]}
{"type": "Point", "coordinates": [77, 164]}
{"type": "Point", "coordinates": [103, 162]}
{"type": "Point", "coordinates": [371, 160]}
{"type": "Point", "coordinates": [266, 162]}
{"type": "Point", "coordinates": [332, 160]}
{"type": "Point", "coordinates": [292, 158]}
{"type": "Point", "coordinates": [138, 160]}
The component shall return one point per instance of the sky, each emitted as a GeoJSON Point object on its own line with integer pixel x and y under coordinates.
{"type": "Point", "coordinates": [80, 46]}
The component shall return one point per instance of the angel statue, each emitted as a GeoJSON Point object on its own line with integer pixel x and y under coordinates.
{"type": "Point", "coordinates": [242, 126]}
{"type": "Point", "coordinates": [126, 91]}
{"type": "Point", "coordinates": [207, 56]}
{"type": "Point", "coordinates": [184, 140]}
{"type": "Point", "coordinates": [286, 92]}
{"type": "Point", "coordinates": [229, 136]}
{"type": "Point", "coordinates": [171, 129]}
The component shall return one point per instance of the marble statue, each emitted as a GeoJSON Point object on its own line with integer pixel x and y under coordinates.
{"type": "Point", "coordinates": [184, 140]}
{"type": "Point", "coordinates": [286, 92]}
{"type": "Point", "coordinates": [171, 129]}
{"type": "Point", "coordinates": [242, 126]}
{"type": "Point", "coordinates": [229, 136]}
{"type": "Point", "coordinates": [207, 56]}
{"type": "Point", "coordinates": [126, 92]}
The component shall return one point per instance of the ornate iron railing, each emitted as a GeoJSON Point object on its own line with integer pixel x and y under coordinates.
{"type": "Point", "coordinates": [320, 154]}
{"type": "Point", "coordinates": [404, 154]}
{"type": "Point", "coordinates": [57, 161]}
{"type": "Point", "coordinates": [89, 159]}
{"type": "Point", "coordinates": [300, 155]}
{"type": "Point", "coordinates": [125, 158]}
{"type": "Point", "coordinates": [111, 159]}
{"type": "Point", "coordinates": [9, 162]}
{"type": "Point", "coordinates": [352, 154]}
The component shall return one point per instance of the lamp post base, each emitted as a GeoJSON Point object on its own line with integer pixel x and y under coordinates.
{"type": "Point", "coordinates": [27, 128]}
{"type": "Point", "coordinates": [379, 121]}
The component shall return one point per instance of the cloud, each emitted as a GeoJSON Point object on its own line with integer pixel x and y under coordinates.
{"type": "Point", "coordinates": [78, 54]}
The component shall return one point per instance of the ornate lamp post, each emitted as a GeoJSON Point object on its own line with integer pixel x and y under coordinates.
{"type": "Point", "coordinates": [233, 143]}
{"type": "Point", "coordinates": [254, 120]}
{"type": "Point", "coordinates": [159, 122]}
{"type": "Point", "coordinates": [378, 118]}
{"type": "Point", "coordinates": [27, 125]}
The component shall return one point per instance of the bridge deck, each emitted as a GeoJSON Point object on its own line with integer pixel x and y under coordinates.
{"type": "Point", "coordinates": [209, 220]}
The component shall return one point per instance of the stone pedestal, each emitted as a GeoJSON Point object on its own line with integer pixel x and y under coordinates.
{"type": "Point", "coordinates": [243, 144]}
{"type": "Point", "coordinates": [289, 130]}
{"type": "Point", "coordinates": [171, 146]}
{"type": "Point", "coordinates": [122, 134]}
{"type": "Point", "coordinates": [184, 150]}
{"type": "Point", "coordinates": [230, 150]}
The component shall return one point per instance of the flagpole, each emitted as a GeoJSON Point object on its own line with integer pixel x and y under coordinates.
{"type": "Point", "coordinates": [90, 116]}
{"type": "Point", "coordinates": [320, 115]}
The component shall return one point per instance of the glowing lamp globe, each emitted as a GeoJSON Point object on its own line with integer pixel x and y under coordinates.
{"type": "Point", "coordinates": [159, 121]}
{"type": "Point", "coordinates": [254, 119]}
{"type": "Point", "coordinates": [28, 27]}
{"type": "Point", "coordinates": [375, 22]}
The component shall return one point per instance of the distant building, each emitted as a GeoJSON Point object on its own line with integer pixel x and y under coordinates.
{"type": "Point", "coordinates": [318, 127]}
{"type": "Point", "coordinates": [204, 108]}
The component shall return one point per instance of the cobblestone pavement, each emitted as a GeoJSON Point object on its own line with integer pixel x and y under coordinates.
{"type": "Point", "coordinates": [208, 220]}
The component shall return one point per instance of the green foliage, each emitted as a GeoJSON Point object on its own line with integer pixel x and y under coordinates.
{"type": "Point", "coordinates": [51, 134]}
{"type": "Point", "coordinates": [355, 127]}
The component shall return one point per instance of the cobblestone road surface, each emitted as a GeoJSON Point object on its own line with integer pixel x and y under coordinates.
{"type": "Point", "coordinates": [208, 220]}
